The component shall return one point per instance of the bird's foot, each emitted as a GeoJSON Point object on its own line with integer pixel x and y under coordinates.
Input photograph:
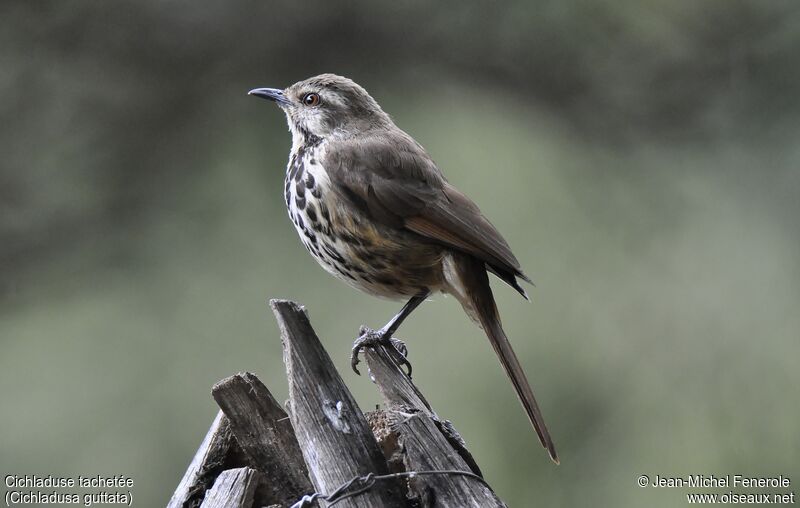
{"type": "Point", "coordinates": [396, 348]}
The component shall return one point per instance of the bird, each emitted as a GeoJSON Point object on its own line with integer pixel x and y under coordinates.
{"type": "Point", "coordinates": [375, 211]}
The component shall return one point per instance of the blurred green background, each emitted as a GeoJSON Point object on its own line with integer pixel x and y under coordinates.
{"type": "Point", "coordinates": [642, 159]}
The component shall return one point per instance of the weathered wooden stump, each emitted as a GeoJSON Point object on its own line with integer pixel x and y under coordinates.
{"type": "Point", "coordinates": [325, 451]}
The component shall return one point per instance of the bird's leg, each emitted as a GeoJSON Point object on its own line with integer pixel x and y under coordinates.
{"type": "Point", "coordinates": [383, 337]}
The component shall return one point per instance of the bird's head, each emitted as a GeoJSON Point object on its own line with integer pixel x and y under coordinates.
{"type": "Point", "coordinates": [326, 105]}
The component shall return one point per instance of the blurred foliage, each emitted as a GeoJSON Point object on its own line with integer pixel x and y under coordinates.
{"type": "Point", "coordinates": [641, 158]}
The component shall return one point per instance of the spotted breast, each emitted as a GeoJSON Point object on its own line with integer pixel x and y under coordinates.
{"type": "Point", "coordinates": [380, 261]}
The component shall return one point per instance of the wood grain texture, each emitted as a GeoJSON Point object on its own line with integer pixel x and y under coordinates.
{"type": "Point", "coordinates": [333, 433]}
{"type": "Point", "coordinates": [265, 435]}
{"type": "Point", "coordinates": [234, 488]}
{"type": "Point", "coordinates": [410, 432]}
{"type": "Point", "coordinates": [211, 458]}
{"type": "Point", "coordinates": [255, 455]}
{"type": "Point", "coordinates": [425, 448]}
{"type": "Point", "coordinates": [399, 392]}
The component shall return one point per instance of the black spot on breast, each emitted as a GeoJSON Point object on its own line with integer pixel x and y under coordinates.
{"type": "Point", "coordinates": [300, 201]}
{"type": "Point", "coordinates": [328, 233]}
{"type": "Point", "coordinates": [344, 270]}
{"type": "Point", "coordinates": [313, 160]}
{"type": "Point", "coordinates": [292, 172]}
{"type": "Point", "coordinates": [311, 140]}
{"type": "Point", "coordinates": [316, 192]}
{"type": "Point", "coordinates": [311, 213]}
{"type": "Point", "coordinates": [300, 189]}
{"type": "Point", "coordinates": [310, 178]}
{"type": "Point", "coordinates": [333, 253]}
{"type": "Point", "coordinates": [324, 211]}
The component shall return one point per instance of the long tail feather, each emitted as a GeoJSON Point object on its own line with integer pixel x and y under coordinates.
{"type": "Point", "coordinates": [473, 276]}
{"type": "Point", "coordinates": [514, 370]}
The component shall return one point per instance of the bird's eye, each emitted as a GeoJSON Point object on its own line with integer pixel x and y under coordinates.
{"type": "Point", "coordinates": [311, 99]}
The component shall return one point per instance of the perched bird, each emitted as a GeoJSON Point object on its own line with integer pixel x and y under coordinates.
{"type": "Point", "coordinates": [375, 211]}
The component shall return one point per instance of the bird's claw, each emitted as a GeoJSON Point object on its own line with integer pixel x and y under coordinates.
{"type": "Point", "coordinates": [368, 337]}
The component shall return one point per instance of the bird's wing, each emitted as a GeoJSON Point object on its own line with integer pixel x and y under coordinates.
{"type": "Point", "coordinates": [393, 179]}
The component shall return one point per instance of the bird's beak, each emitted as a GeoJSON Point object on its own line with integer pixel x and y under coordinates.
{"type": "Point", "coordinates": [273, 94]}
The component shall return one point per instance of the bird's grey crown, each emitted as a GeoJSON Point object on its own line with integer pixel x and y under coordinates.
{"type": "Point", "coordinates": [354, 94]}
{"type": "Point", "coordinates": [345, 108]}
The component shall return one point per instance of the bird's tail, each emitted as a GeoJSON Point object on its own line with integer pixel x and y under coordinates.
{"type": "Point", "coordinates": [477, 294]}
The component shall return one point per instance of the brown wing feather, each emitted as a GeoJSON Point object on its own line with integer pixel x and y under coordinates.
{"type": "Point", "coordinates": [458, 217]}
{"type": "Point", "coordinates": [398, 184]}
